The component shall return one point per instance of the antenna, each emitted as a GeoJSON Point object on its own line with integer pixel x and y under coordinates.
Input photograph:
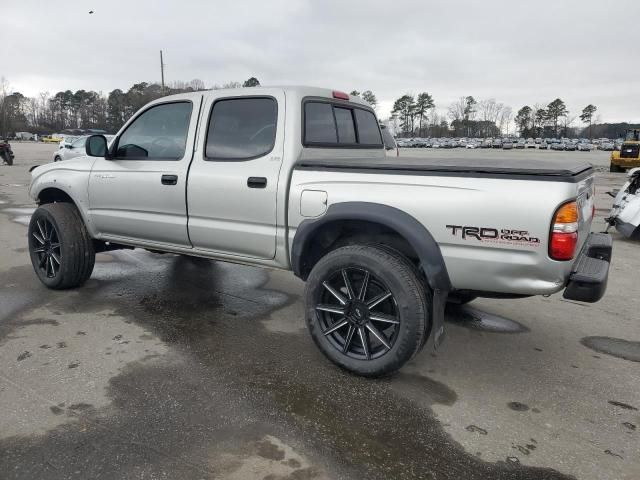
{"type": "Point", "coordinates": [162, 71]}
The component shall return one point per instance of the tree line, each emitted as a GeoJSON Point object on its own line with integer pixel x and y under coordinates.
{"type": "Point", "coordinates": [467, 117]}
{"type": "Point", "coordinates": [553, 120]}
{"type": "Point", "coordinates": [85, 109]}
{"type": "Point", "coordinates": [411, 115]}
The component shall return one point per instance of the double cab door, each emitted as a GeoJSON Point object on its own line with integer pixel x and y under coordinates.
{"type": "Point", "coordinates": [140, 193]}
{"type": "Point", "coordinates": [233, 181]}
{"type": "Point", "coordinates": [194, 172]}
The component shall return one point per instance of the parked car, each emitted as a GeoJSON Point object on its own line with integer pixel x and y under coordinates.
{"type": "Point", "coordinates": [530, 144]}
{"type": "Point", "coordinates": [375, 238]}
{"type": "Point", "coordinates": [519, 144]}
{"type": "Point", "coordinates": [497, 143]}
{"type": "Point", "coordinates": [507, 145]}
{"type": "Point", "coordinates": [570, 147]}
{"type": "Point", "coordinates": [6, 152]}
{"type": "Point", "coordinates": [74, 149]}
{"type": "Point", "coordinates": [557, 146]}
{"type": "Point", "coordinates": [584, 147]}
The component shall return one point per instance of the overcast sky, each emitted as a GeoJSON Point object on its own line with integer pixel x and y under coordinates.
{"type": "Point", "coordinates": [583, 51]}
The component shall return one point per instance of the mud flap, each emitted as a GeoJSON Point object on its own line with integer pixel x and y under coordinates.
{"type": "Point", "coordinates": [438, 305]}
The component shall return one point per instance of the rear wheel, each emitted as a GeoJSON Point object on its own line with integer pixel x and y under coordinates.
{"type": "Point", "coordinates": [60, 247]}
{"type": "Point", "coordinates": [56, 158]}
{"type": "Point", "coordinates": [367, 309]}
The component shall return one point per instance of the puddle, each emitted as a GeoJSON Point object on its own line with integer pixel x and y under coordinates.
{"type": "Point", "coordinates": [615, 347]}
{"type": "Point", "coordinates": [20, 215]}
{"type": "Point", "coordinates": [470, 317]}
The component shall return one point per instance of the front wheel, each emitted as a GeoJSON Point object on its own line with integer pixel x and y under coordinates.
{"type": "Point", "coordinates": [7, 158]}
{"type": "Point", "coordinates": [367, 309]}
{"type": "Point", "coordinates": [60, 247]}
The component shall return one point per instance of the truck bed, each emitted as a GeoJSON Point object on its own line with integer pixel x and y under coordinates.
{"type": "Point", "coordinates": [546, 170]}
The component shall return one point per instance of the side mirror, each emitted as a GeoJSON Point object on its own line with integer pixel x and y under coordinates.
{"type": "Point", "coordinates": [96, 146]}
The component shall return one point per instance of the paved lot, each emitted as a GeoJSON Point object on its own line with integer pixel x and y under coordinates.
{"type": "Point", "coordinates": [165, 367]}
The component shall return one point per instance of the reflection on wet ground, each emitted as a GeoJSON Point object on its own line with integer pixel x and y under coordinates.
{"type": "Point", "coordinates": [236, 382]}
{"type": "Point", "coordinates": [20, 215]}
{"type": "Point", "coordinates": [473, 318]}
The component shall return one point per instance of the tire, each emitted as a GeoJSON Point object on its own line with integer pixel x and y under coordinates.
{"type": "Point", "coordinates": [615, 169]}
{"type": "Point", "coordinates": [7, 158]}
{"type": "Point", "coordinates": [56, 158]}
{"type": "Point", "coordinates": [60, 247]}
{"type": "Point", "coordinates": [394, 329]}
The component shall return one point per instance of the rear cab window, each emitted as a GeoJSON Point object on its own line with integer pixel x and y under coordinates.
{"type": "Point", "coordinates": [331, 124]}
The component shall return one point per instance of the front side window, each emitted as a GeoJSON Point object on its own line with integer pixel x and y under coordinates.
{"type": "Point", "coordinates": [159, 133]}
{"type": "Point", "coordinates": [241, 128]}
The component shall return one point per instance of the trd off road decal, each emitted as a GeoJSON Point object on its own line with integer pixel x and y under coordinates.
{"type": "Point", "coordinates": [503, 236]}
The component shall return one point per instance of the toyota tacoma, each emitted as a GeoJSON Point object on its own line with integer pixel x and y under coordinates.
{"type": "Point", "coordinates": [297, 178]}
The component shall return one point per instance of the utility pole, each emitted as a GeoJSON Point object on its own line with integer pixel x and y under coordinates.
{"type": "Point", "coordinates": [162, 71]}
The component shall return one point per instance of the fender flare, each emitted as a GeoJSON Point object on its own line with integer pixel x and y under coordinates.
{"type": "Point", "coordinates": [401, 222]}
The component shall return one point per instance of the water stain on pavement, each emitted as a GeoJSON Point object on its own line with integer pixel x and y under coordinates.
{"type": "Point", "coordinates": [475, 319]}
{"type": "Point", "coordinates": [236, 384]}
{"type": "Point", "coordinates": [518, 407]}
{"type": "Point", "coordinates": [616, 347]}
{"type": "Point", "coordinates": [625, 406]}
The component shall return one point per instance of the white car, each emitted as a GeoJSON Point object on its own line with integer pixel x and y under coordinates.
{"type": "Point", "coordinates": [72, 147]}
{"type": "Point", "coordinates": [471, 145]}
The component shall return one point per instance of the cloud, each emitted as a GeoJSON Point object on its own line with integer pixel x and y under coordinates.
{"type": "Point", "coordinates": [580, 50]}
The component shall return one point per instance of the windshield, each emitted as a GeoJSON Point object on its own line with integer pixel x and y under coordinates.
{"type": "Point", "coordinates": [633, 135]}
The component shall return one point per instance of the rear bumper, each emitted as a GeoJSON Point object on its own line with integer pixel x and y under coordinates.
{"type": "Point", "coordinates": [590, 272]}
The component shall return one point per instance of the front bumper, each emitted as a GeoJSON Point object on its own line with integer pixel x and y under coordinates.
{"type": "Point", "coordinates": [590, 272]}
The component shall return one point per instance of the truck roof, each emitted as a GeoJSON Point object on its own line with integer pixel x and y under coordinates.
{"type": "Point", "coordinates": [299, 91]}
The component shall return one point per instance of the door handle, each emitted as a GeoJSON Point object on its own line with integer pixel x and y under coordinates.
{"type": "Point", "coordinates": [256, 182]}
{"type": "Point", "coordinates": [169, 179]}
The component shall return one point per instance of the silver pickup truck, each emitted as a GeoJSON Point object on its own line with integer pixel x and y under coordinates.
{"type": "Point", "coordinates": [297, 178]}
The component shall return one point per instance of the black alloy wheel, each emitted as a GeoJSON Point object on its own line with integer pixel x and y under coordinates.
{"type": "Point", "coordinates": [368, 308]}
{"type": "Point", "coordinates": [47, 248]}
{"type": "Point", "coordinates": [358, 314]}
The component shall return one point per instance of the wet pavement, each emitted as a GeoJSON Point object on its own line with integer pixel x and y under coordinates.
{"type": "Point", "coordinates": [163, 366]}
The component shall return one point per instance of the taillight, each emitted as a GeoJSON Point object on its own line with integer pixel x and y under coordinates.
{"type": "Point", "coordinates": [340, 95]}
{"type": "Point", "coordinates": [564, 232]}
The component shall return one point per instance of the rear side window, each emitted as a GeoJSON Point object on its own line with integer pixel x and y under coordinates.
{"type": "Point", "coordinates": [346, 128]}
{"type": "Point", "coordinates": [330, 125]}
{"type": "Point", "coordinates": [319, 124]}
{"type": "Point", "coordinates": [368, 128]}
{"type": "Point", "coordinates": [241, 128]}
